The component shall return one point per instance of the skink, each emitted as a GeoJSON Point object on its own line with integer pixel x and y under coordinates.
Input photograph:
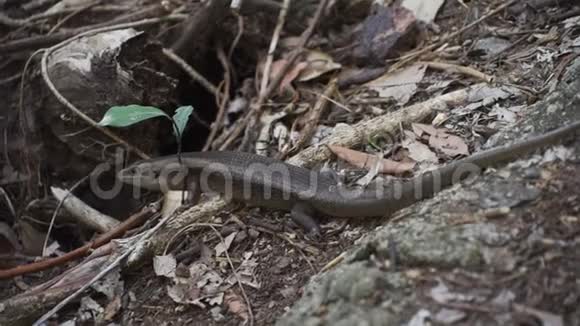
{"type": "Point", "coordinates": [266, 182]}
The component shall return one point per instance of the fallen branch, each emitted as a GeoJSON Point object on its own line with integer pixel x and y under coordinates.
{"type": "Point", "coordinates": [83, 213]}
{"type": "Point", "coordinates": [79, 252]}
{"type": "Point", "coordinates": [452, 68]}
{"type": "Point", "coordinates": [388, 123]}
{"type": "Point", "coordinates": [35, 42]}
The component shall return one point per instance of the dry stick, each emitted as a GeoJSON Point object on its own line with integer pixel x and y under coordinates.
{"type": "Point", "coordinates": [46, 40]}
{"type": "Point", "coordinates": [8, 202]}
{"type": "Point", "coordinates": [388, 123]}
{"type": "Point", "coordinates": [411, 56]}
{"type": "Point", "coordinates": [55, 213]}
{"type": "Point", "coordinates": [10, 79]}
{"type": "Point", "coordinates": [79, 252]}
{"type": "Point", "coordinates": [223, 101]}
{"type": "Point", "coordinates": [185, 229]}
{"type": "Point", "coordinates": [273, 45]}
{"type": "Point", "coordinates": [335, 261]}
{"type": "Point", "coordinates": [500, 54]}
{"type": "Point", "coordinates": [103, 8]}
{"type": "Point", "coordinates": [335, 102]}
{"type": "Point", "coordinates": [22, 117]}
{"type": "Point", "coordinates": [234, 44]}
{"type": "Point", "coordinates": [35, 4]}
{"type": "Point", "coordinates": [83, 213]}
{"type": "Point", "coordinates": [238, 35]}
{"type": "Point", "coordinates": [256, 106]}
{"type": "Point", "coordinates": [196, 76]}
{"type": "Point", "coordinates": [199, 27]}
{"type": "Point", "coordinates": [312, 122]}
{"type": "Point", "coordinates": [459, 69]}
{"type": "Point", "coordinates": [70, 106]}
{"type": "Point", "coordinates": [71, 15]}
{"type": "Point", "coordinates": [145, 12]}
{"type": "Point", "coordinates": [136, 244]}
{"type": "Point", "coordinates": [13, 22]}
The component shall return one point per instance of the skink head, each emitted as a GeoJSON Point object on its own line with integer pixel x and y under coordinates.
{"type": "Point", "coordinates": [156, 175]}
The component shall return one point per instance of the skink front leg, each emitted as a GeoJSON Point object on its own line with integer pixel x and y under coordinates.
{"type": "Point", "coordinates": [193, 190]}
{"type": "Point", "coordinates": [302, 213]}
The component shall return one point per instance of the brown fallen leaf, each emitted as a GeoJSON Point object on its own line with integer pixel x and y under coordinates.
{"type": "Point", "coordinates": [112, 308]}
{"type": "Point", "coordinates": [400, 85]}
{"type": "Point", "coordinates": [421, 129]}
{"type": "Point", "coordinates": [418, 151]}
{"type": "Point", "coordinates": [450, 145]}
{"type": "Point", "coordinates": [441, 141]}
{"type": "Point", "coordinates": [236, 305]}
{"type": "Point", "coordinates": [368, 161]}
{"type": "Point", "coordinates": [291, 75]}
{"type": "Point", "coordinates": [317, 64]}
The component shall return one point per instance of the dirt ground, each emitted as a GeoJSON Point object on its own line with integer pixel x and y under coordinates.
{"type": "Point", "coordinates": [548, 281]}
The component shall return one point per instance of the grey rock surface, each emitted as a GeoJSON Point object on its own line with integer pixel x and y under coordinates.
{"type": "Point", "coordinates": [374, 285]}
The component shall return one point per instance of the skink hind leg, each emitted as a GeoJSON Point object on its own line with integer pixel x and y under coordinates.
{"type": "Point", "coordinates": [302, 214]}
{"type": "Point", "coordinates": [193, 190]}
{"type": "Point", "coordinates": [193, 195]}
{"type": "Point", "coordinates": [327, 172]}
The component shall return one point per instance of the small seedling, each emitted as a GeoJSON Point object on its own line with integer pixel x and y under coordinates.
{"type": "Point", "coordinates": [127, 115]}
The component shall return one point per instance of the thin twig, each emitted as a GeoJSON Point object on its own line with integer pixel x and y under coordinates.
{"type": "Point", "coordinates": [239, 34]}
{"type": "Point", "coordinates": [185, 229]}
{"type": "Point", "coordinates": [79, 252]}
{"type": "Point", "coordinates": [46, 40]}
{"type": "Point", "coordinates": [13, 22]}
{"type": "Point", "coordinates": [409, 57]}
{"type": "Point", "coordinates": [103, 8]}
{"type": "Point", "coordinates": [54, 214]}
{"type": "Point", "coordinates": [10, 79]}
{"type": "Point", "coordinates": [196, 76]}
{"type": "Point", "coordinates": [22, 116]}
{"type": "Point", "coordinates": [459, 69]}
{"type": "Point", "coordinates": [71, 15]}
{"type": "Point", "coordinates": [273, 45]}
{"type": "Point", "coordinates": [136, 244]}
{"type": "Point", "coordinates": [8, 202]}
{"type": "Point", "coordinates": [222, 101]}
{"type": "Point", "coordinates": [312, 121]}
{"type": "Point", "coordinates": [256, 106]}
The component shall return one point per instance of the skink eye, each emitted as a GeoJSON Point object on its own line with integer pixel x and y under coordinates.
{"type": "Point", "coordinates": [148, 173]}
{"type": "Point", "coordinates": [131, 170]}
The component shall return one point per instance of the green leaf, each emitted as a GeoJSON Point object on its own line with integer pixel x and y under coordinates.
{"type": "Point", "coordinates": [180, 118]}
{"type": "Point", "coordinates": [126, 115]}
